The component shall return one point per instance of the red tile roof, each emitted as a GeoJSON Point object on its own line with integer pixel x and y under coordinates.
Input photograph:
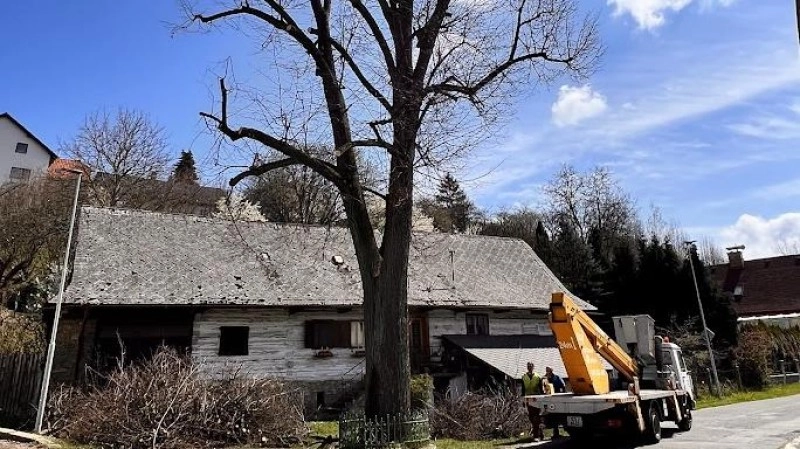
{"type": "Point", "coordinates": [769, 286]}
{"type": "Point", "coordinates": [63, 168]}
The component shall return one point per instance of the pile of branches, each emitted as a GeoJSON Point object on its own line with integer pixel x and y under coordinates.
{"type": "Point", "coordinates": [479, 416]}
{"type": "Point", "coordinates": [168, 402]}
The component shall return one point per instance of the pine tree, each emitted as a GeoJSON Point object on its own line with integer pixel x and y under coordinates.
{"type": "Point", "coordinates": [453, 211]}
{"type": "Point", "coordinates": [185, 170]}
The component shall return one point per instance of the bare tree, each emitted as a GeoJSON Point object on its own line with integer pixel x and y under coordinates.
{"type": "Point", "coordinates": [297, 194]}
{"type": "Point", "coordinates": [710, 253]}
{"type": "Point", "coordinates": [788, 247]}
{"type": "Point", "coordinates": [34, 217]}
{"type": "Point", "coordinates": [410, 82]}
{"type": "Point", "coordinates": [593, 205]}
{"type": "Point", "coordinates": [125, 151]}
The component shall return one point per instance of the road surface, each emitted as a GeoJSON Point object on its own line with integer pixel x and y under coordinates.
{"type": "Point", "coordinates": [767, 424]}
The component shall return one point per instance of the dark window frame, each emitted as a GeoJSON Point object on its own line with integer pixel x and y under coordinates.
{"type": "Point", "coordinates": [477, 323]}
{"type": "Point", "coordinates": [329, 334]}
{"type": "Point", "coordinates": [234, 340]}
{"type": "Point", "coordinates": [25, 172]}
{"type": "Point", "coordinates": [21, 146]}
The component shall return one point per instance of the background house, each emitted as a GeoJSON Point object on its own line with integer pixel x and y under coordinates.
{"type": "Point", "coordinates": [765, 290]}
{"type": "Point", "coordinates": [285, 301]}
{"type": "Point", "coordinates": [22, 154]}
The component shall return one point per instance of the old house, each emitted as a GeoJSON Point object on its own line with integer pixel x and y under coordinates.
{"type": "Point", "coordinates": [285, 300]}
{"type": "Point", "coordinates": [766, 290]}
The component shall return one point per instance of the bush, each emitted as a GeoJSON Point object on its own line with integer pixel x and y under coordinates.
{"type": "Point", "coordinates": [167, 402]}
{"type": "Point", "coordinates": [20, 333]}
{"type": "Point", "coordinates": [480, 416]}
{"type": "Point", "coordinates": [421, 391]}
{"type": "Point", "coordinates": [753, 354]}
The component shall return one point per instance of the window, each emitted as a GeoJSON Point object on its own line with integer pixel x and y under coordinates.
{"type": "Point", "coordinates": [234, 340]}
{"type": "Point", "coordinates": [477, 324]}
{"type": "Point", "coordinates": [20, 174]}
{"type": "Point", "coordinates": [21, 148]}
{"type": "Point", "coordinates": [334, 334]}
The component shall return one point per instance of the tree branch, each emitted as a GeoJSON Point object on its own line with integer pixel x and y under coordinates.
{"type": "Point", "coordinates": [325, 169]}
{"type": "Point", "coordinates": [360, 75]}
{"type": "Point", "coordinates": [375, 192]}
{"type": "Point", "coordinates": [427, 40]}
{"type": "Point", "coordinates": [284, 22]}
{"type": "Point", "coordinates": [258, 170]}
{"type": "Point", "coordinates": [377, 33]}
{"type": "Point", "coordinates": [472, 90]}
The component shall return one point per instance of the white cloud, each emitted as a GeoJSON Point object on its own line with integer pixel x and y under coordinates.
{"type": "Point", "coordinates": [650, 14]}
{"type": "Point", "coordinates": [772, 126]}
{"type": "Point", "coordinates": [762, 237]}
{"type": "Point", "coordinates": [575, 104]}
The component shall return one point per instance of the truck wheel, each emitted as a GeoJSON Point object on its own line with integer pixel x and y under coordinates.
{"type": "Point", "coordinates": [685, 424]}
{"type": "Point", "coordinates": [652, 432]}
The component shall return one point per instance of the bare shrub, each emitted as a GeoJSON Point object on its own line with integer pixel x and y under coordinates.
{"type": "Point", "coordinates": [479, 416]}
{"type": "Point", "coordinates": [167, 402]}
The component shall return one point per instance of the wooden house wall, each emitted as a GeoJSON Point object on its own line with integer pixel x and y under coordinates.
{"type": "Point", "coordinates": [453, 322]}
{"type": "Point", "coordinates": [277, 339]}
{"type": "Point", "coordinates": [276, 344]}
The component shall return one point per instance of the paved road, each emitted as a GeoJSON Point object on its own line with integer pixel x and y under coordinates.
{"type": "Point", "coordinates": [765, 424]}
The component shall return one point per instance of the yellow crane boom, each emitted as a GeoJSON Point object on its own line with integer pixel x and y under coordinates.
{"type": "Point", "coordinates": [582, 343]}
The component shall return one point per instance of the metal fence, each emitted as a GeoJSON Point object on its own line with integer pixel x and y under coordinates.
{"type": "Point", "coordinates": [357, 432]}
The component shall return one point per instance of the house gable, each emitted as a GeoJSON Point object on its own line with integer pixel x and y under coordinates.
{"type": "Point", "coordinates": [21, 152]}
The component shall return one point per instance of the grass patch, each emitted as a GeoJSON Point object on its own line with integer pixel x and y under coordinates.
{"type": "Point", "coordinates": [745, 396]}
{"type": "Point", "coordinates": [324, 428]}
{"type": "Point", "coordinates": [448, 443]}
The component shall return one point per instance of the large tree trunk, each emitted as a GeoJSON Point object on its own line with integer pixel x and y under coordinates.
{"type": "Point", "coordinates": [386, 307]}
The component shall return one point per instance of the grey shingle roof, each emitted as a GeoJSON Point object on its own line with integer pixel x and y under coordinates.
{"type": "Point", "coordinates": [137, 257]}
{"type": "Point", "coordinates": [510, 354]}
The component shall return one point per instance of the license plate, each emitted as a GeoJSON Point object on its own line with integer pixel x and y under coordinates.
{"type": "Point", "coordinates": [574, 421]}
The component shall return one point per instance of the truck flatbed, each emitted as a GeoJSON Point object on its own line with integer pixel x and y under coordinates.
{"type": "Point", "coordinates": [593, 403]}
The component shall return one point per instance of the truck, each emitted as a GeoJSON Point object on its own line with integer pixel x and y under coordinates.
{"type": "Point", "coordinates": [653, 383]}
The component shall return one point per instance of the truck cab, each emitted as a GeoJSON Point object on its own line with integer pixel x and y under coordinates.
{"type": "Point", "coordinates": [673, 360]}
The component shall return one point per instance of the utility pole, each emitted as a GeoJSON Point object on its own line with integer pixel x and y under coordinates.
{"type": "Point", "coordinates": [689, 245]}
{"type": "Point", "coordinates": [51, 348]}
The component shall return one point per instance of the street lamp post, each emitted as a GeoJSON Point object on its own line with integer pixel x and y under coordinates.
{"type": "Point", "coordinates": [51, 348]}
{"type": "Point", "coordinates": [703, 319]}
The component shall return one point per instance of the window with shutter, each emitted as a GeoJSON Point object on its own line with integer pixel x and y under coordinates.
{"type": "Point", "coordinates": [333, 334]}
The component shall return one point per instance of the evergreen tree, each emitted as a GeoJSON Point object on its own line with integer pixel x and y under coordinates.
{"type": "Point", "coordinates": [720, 316]}
{"type": "Point", "coordinates": [451, 209]}
{"type": "Point", "coordinates": [185, 170]}
{"type": "Point", "coordinates": [572, 261]}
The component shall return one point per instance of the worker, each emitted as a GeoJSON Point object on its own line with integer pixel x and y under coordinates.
{"type": "Point", "coordinates": [531, 385]}
{"type": "Point", "coordinates": [557, 386]}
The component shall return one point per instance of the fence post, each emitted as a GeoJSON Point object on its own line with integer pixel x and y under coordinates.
{"type": "Point", "coordinates": [783, 370]}
{"type": "Point", "coordinates": [797, 369]}
{"type": "Point", "coordinates": [738, 375]}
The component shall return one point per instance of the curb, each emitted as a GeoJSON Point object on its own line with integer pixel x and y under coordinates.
{"type": "Point", "coordinates": [794, 444]}
{"type": "Point", "coordinates": [25, 437]}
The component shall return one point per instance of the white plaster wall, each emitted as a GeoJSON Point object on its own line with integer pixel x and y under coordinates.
{"type": "Point", "coordinates": [36, 159]}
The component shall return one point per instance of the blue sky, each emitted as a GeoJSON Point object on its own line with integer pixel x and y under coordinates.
{"type": "Point", "coordinates": [696, 107]}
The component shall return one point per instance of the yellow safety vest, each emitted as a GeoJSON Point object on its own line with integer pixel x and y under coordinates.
{"type": "Point", "coordinates": [531, 384]}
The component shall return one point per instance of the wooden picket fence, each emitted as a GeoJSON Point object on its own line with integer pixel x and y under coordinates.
{"type": "Point", "coordinates": [20, 377]}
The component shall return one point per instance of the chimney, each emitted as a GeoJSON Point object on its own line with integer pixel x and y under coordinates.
{"type": "Point", "coordinates": [735, 257]}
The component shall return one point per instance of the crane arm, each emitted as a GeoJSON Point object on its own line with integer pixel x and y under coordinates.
{"type": "Point", "coordinates": [581, 343]}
